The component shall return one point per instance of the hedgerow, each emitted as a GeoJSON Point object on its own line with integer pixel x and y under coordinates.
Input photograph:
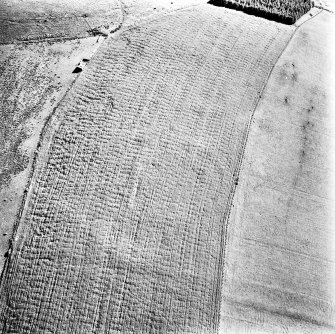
{"type": "Point", "coordinates": [284, 11]}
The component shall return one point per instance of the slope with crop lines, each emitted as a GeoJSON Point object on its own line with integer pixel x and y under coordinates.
{"type": "Point", "coordinates": [123, 226]}
{"type": "Point", "coordinates": [285, 11]}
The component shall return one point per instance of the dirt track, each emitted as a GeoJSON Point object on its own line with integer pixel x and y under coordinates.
{"type": "Point", "coordinates": [124, 223]}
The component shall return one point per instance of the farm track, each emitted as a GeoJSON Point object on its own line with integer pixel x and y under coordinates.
{"type": "Point", "coordinates": [123, 224]}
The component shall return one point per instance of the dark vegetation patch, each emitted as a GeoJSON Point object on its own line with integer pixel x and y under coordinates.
{"type": "Point", "coordinates": [283, 11]}
{"type": "Point", "coordinates": [77, 69]}
{"type": "Point", "coordinates": [81, 65]}
{"type": "Point", "coordinates": [97, 31]}
{"type": "Point", "coordinates": [24, 88]}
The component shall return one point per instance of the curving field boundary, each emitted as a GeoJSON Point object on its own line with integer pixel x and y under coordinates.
{"type": "Point", "coordinates": [123, 228]}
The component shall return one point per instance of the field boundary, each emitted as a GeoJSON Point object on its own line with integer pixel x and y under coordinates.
{"type": "Point", "coordinates": [49, 128]}
{"type": "Point", "coordinates": [45, 140]}
{"type": "Point", "coordinates": [51, 123]}
{"type": "Point", "coordinates": [226, 233]}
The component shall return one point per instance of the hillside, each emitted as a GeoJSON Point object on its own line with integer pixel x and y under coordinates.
{"type": "Point", "coordinates": [138, 215]}
{"type": "Point", "coordinates": [279, 275]}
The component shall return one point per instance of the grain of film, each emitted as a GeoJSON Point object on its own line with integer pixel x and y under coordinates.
{"type": "Point", "coordinates": [124, 221]}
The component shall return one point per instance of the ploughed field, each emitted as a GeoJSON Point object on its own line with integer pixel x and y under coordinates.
{"type": "Point", "coordinates": [124, 224]}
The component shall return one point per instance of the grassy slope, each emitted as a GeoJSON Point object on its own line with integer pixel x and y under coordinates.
{"type": "Point", "coordinates": [33, 79]}
{"type": "Point", "coordinates": [123, 224]}
{"type": "Point", "coordinates": [280, 263]}
{"type": "Point", "coordinates": [34, 20]}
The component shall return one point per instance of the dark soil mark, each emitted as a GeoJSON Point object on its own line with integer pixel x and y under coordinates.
{"type": "Point", "coordinates": [77, 70]}
{"type": "Point", "coordinates": [81, 65]}
{"type": "Point", "coordinates": [97, 32]}
{"type": "Point", "coordinates": [305, 127]}
{"type": "Point", "coordinates": [288, 74]}
{"type": "Point", "coordinates": [310, 109]}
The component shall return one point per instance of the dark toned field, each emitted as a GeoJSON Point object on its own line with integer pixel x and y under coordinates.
{"type": "Point", "coordinates": [285, 11]}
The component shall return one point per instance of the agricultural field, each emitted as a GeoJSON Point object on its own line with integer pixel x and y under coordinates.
{"type": "Point", "coordinates": [280, 264]}
{"type": "Point", "coordinates": [36, 20]}
{"type": "Point", "coordinates": [33, 79]}
{"type": "Point", "coordinates": [124, 220]}
{"type": "Point", "coordinates": [285, 11]}
{"type": "Point", "coordinates": [176, 183]}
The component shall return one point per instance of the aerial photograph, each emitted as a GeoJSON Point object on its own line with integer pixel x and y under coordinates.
{"type": "Point", "coordinates": [167, 166]}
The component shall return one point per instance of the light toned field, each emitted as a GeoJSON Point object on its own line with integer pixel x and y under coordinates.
{"type": "Point", "coordinates": [123, 229]}
{"type": "Point", "coordinates": [30, 21]}
{"type": "Point", "coordinates": [33, 20]}
{"type": "Point", "coordinates": [123, 225]}
{"type": "Point", "coordinates": [279, 272]}
{"type": "Point", "coordinates": [33, 79]}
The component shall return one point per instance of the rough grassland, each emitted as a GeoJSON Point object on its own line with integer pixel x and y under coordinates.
{"type": "Point", "coordinates": [123, 226]}
{"type": "Point", "coordinates": [33, 79]}
{"type": "Point", "coordinates": [285, 11]}
{"type": "Point", "coordinates": [34, 20]}
{"type": "Point", "coordinates": [279, 272]}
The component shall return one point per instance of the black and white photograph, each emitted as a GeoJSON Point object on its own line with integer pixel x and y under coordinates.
{"type": "Point", "coordinates": [167, 166]}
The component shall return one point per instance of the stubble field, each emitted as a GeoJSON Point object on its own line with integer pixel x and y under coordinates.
{"type": "Point", "coordinates": [33, 79]}
{"type": "Point", "coordinates": [285, 11]}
